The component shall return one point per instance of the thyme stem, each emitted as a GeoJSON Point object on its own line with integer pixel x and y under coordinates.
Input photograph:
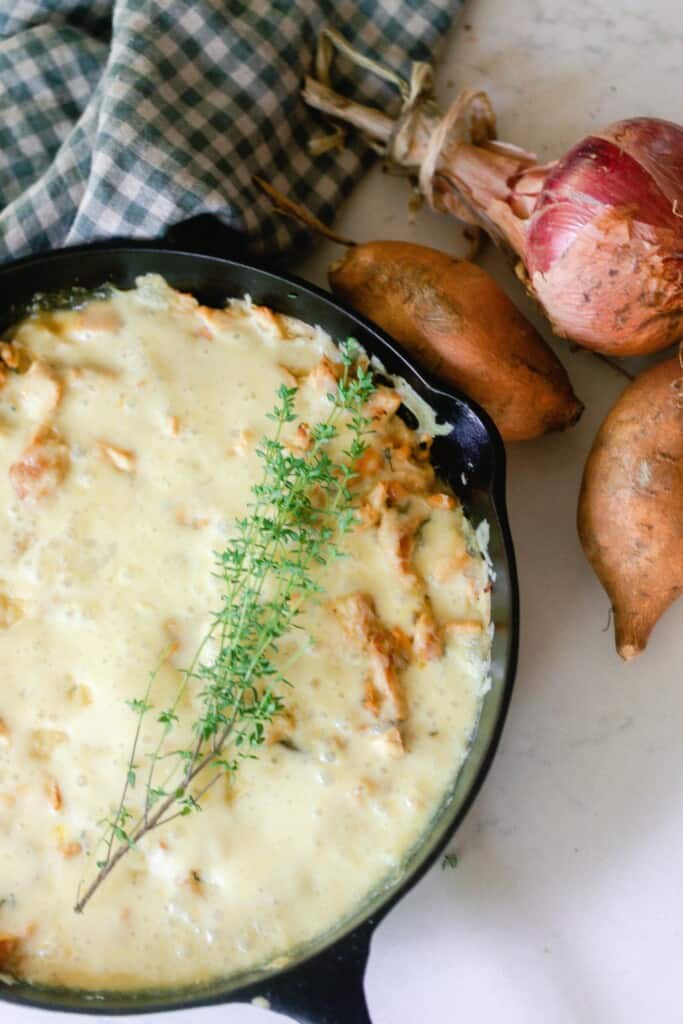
{"type": "Point", "coordinates": [301, 505]}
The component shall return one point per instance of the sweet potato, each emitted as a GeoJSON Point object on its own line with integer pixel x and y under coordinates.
{"type": "Point", "coordinates": [452, 316]}
{"type": "Point", "coordinates": [630, 515]}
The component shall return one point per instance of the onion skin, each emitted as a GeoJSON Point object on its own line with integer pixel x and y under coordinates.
{"type": "Point", "coordinates": [603, 247]}
{"type": "Point", "coordinates": [598, 235]}
{"type": "Point", "coordinates": [453, 317]}
{"type": "Point", "coordinates": [630, 515]}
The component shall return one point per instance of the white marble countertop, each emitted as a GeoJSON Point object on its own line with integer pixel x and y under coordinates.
{"type": "Point", "coordinates": [566, 906]}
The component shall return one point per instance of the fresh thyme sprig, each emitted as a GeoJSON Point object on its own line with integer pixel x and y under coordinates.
{"type": "Point", "coordinates": [300, 508]}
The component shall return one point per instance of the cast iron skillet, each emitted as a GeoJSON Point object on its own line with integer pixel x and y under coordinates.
{"type": "Point", "coordinates": [322, 983]}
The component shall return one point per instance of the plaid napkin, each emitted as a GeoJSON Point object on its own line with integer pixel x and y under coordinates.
{"type": "Point", "coordinates": [126, 117]}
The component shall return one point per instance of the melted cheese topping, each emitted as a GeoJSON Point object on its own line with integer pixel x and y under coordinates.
{"type": "Point", "coordinates": [127, 439]}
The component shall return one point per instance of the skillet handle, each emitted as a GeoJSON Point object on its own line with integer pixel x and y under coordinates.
{"type": "Point", "coordinates": [328, 989]}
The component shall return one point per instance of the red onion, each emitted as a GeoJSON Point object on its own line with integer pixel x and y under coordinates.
{"type": "Point", "coordinates": [598, 234]}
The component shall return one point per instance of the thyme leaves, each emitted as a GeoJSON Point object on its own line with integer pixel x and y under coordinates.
{"type": "Point", "coordinates": [300, 509]}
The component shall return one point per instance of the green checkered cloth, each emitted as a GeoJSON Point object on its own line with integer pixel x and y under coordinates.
{"type": "Point", "coordinates": [127, 117]}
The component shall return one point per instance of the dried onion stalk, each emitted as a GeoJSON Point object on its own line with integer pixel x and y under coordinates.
{"type": "Point", "coordinates": [597, 236]}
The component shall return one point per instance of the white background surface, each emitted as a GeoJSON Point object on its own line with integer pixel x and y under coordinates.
{"type": "Point", "coordinates": [566, 906]}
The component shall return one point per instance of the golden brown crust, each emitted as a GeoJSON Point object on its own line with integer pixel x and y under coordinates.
{"type": "Point", "coordinates": [41, 468]}
{"type": "Point", "coordinates": [398, 496]}
{"type": "Point", "coordinates": [53, 793]}
{"type": "Point", "coordinates": [362, 625]}
{"type": "Point", "coordinates": [10, 953]}
{"type": "Point", "coordinates": [427, 645]}
{"type": "Point", "coordinates": [324, 376]}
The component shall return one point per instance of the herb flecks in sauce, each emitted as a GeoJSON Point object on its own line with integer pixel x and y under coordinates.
{"type": "Point", "coordinates": [299, 508]}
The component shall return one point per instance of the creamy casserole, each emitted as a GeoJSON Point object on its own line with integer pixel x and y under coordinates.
{"type": "Point", "coordinates": [128, 436]}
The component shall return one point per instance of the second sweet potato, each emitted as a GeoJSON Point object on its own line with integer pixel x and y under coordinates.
{"type": "Point", "coordinates": [452, 316]}
{"type": "Point", "coordinates": [630, 514]}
